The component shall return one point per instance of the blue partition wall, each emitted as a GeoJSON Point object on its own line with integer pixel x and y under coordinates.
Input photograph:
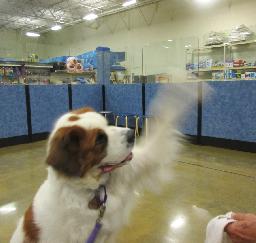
{"type": "Point", "coordinates": [48, 102]}
{"type": "Point", "coordinates": [13, 113]}
{"type": "Point", "coordinates": [124, 99]}
{"type": "Point", "coordinates": [87, 95]}
{"type": "Point", "coordinates": [188, 124]}
{"type": "Point", "coordinates": [230, 112]}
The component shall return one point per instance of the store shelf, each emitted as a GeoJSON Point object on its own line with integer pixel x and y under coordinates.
{"type": "Point", "coordinates": [25, 64]}
{"type": "Point", "coordinates": [222, 69]}
{"type": "Point", "coordinates": [224, 44]}
{"type": "Point", "coordinates": [226, 80]}
{"type": "Point", "coordinates": [38, 66]}
{"type": "Point", "coordinates": [75, 74]}
{"type": "Point", "coordinates": [241, 68]}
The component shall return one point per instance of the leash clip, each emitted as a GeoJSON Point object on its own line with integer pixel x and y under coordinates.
{"type": "Point", "coordinates": [102, 211]}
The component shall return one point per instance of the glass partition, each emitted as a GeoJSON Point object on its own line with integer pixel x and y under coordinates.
{"type": "Point", "coordinates": [170, 60]}
{"type": "Point", "coordinates": [230, 55]}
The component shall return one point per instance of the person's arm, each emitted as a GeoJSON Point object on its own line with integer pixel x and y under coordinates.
{"type": "Point", "coordinates": [243, 230]}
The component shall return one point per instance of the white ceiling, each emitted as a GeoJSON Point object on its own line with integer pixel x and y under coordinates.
{"type": "Point", "coordinates": [41, 15]}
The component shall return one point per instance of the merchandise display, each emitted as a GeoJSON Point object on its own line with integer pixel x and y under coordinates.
{"type": "Point", "coordinates": [74, 65]}
{"type": "Point", "coordinates": [227, 61]}
{"type": "Point", "coordinates": [33, 58]}
{"type": "Point", "coordinates": [214, 38]}
{"type": "Point", "coordinates": [21, 73]}
{"type": "Point", "coordinates": [240, 33]}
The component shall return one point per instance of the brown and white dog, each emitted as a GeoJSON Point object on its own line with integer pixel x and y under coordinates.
{"type": "Point", "coordinates": [83, 153]}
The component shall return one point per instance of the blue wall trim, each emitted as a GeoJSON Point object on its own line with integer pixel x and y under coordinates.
{"type": "Point", "coordinates": [48, 102]}
{"type": "Point", "coordinates": [230, 112]}
{"type": "Point", "coordinates": [87, 95]}
{"type": "Point", "coordinates": [13, 113]}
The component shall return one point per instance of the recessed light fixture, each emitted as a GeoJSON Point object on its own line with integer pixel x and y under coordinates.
{"type": "Point", "coordinates": [90, 16]}
{"type": "Point", "coordinates": [170, 40]}
{"type": "Point", "coordinates": [56, 27]}
{"type": "Point", "coordinates": [167, 47]}
{"type": "Point", "coordinates": [32, 34]}
{"type": "Point", "coordinates": [129, 3]}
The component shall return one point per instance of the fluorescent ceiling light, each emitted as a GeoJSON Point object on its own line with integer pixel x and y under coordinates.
{"type": "Point", "coordinates": [205, 2]}
{"type": "Point", "coordinates": [56, 27]}
{"type": "Point", "coordinates": [167, 47]}
{"type": "Point", "coordinates": [32, 34]}
{"type": "Point", "coordinates": [90, 16]}
{"type": "Point", "coordinates": [129, 3]}
{"type": "Point", "coordinates": [170, 40]}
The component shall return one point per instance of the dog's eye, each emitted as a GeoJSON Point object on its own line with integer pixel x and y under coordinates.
{"type": "Point", "coordinates": [101, 139]}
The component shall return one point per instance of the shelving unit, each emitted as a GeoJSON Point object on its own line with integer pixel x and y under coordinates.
{"type": "Point", "coordinates": [62, 76]}
{"type": "Point", "coordinates": [216, 62]}
{"type": "Point", "coordinates": [225, 44]}
{"type": "Point", "coordinates": [25, 64]}
{"type": "Point", "coordinates": [18, 72]}
{"type": "Point", "coordinates": [227, 68]}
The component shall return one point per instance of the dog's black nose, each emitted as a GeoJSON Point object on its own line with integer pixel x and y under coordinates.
{"type": "Point", "coordinates": [130, 136]}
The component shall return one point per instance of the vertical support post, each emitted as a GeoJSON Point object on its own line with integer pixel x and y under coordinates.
{"type": "Point", "coordinates": [103, 97]}
{"type": "Point", "coordinates": [143, 90]}
{"type": "Point", "coordinates": [70, 101]}
{"type": "Point", "coordinates": [199, 112]}
{"type": "Point", "coordinates": [144, 122]}
{"type": "Point", "coordinates": [103, 56]}
{"type": "Point", "coordinates": [28, 107]}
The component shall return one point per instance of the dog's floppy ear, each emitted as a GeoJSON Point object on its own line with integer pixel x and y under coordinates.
{"type": "Point", "coordinates": [65, 150]}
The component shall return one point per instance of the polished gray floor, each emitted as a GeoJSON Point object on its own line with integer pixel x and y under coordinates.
{"type": "Point", "coordinates": [205, 182]}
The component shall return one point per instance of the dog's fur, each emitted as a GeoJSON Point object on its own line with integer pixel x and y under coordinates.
{"type": "Point", "coordinates": [79, 144]}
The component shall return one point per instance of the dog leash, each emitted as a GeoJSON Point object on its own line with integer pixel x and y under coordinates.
{"type": "Point", "coordinates": [101, 193]}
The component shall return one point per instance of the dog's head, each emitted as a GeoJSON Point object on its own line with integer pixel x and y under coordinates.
{"type": "Point", "coordinates": [82, 143]}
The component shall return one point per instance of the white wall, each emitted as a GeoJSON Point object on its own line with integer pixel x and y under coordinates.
{"type": "Point", "coordinates": [14, 44]}
{"type": "Point", "coordinates": [180, 20]}
{"type": "Point", "coordinates": [172, 20]}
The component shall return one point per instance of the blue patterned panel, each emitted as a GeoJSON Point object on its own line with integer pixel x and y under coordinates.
{"type": "Point", "coordinates": [150, 93]}
{"type": "Point", "coordinates": [87, 95]}
{"type": "Point", "coordinates": [13, 113]}
{"type": "Point", "coordinates": [124, 99]}
{"type": "Point", "coordinates": [230, 113]}
{"type": "Point", "coordinates": [48, 102]}
{"type": "Point", "coordinates": [188, 124]}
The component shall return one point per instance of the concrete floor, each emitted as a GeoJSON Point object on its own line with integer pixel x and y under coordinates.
{"type": "Point", "coordinates": [206, 182]}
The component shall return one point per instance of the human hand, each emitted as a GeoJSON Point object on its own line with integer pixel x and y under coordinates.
{"type": "Point", "coordinates": [243, 230]}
